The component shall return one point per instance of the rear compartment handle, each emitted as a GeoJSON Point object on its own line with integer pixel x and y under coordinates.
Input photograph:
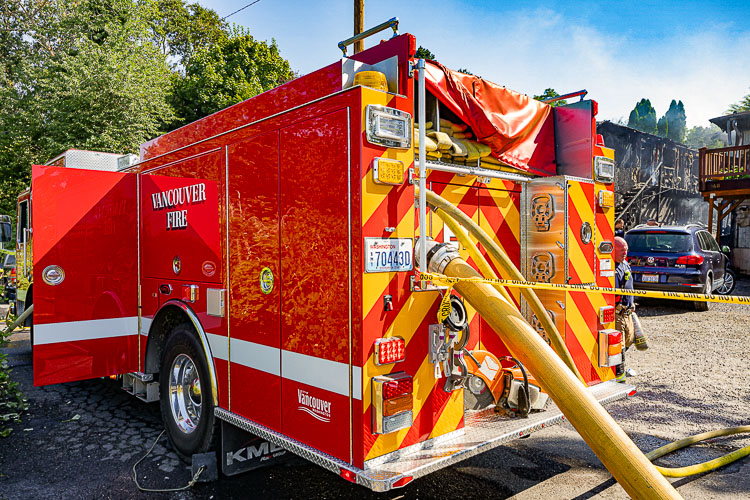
{"type": "Point", "coordinates": [391, 23]}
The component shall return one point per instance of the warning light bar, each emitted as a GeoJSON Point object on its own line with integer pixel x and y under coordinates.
{"type": "Point", "coordinates": [389, 350]}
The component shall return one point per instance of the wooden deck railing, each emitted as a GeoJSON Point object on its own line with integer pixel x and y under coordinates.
{"type": "Point", "coordinates": [723, 164]}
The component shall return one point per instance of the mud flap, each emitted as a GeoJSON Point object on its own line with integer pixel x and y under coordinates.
{"type": "Point", "coordinates": [243, 452]}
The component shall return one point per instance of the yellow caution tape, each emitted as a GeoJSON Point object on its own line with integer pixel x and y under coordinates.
{"type": "Point", "coordinates": [445, 305]}
{"type": "Point", "coordinates": [441, 280]}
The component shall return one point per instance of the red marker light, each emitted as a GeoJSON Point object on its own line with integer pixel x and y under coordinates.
{"type": "Point", "coordinates": [402, 482]}
{"type": "Point", "coordinates": [348, 475]}
{"type": "Point", "coordinates": [606, 314]}
{"type": "Point", "coordinates": [389, 350]}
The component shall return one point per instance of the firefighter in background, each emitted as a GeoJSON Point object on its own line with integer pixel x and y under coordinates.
{"type": "Point", "coordinates": [620, 228]}
{"type": "Point", "coordinates": [624, 304]}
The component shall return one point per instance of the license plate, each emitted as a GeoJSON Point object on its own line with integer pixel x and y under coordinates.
{"type": "Point", "coordinates": [388, 255]}
{"type": "Point", "coordinates": [650, 278]}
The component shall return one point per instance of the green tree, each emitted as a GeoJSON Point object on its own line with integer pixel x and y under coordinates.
{"type": "Point", "coordinates": [662, 127]}
{"type": "Point", "coordinates": [551, 94]}
{"type": "Point", "coordinates": [676, 120]}
{"type": "Point", "coordinates": [423, 53]}
{"type": "Point", "coordinates": [179, 30]}
{"type": "Point", "coordinates": [742, 105]}
{"type": "Point", "coordinates": [705, 137]}
{"type": "Point", "coordinates": [643, 117]}
{"type": "Point", "coordinates": [236, 68]}
{"type": "Point", "coordinates": [79, 74]}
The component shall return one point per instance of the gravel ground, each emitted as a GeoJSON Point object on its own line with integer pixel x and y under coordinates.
{"type": "Point", "coordinates": [692, 379]}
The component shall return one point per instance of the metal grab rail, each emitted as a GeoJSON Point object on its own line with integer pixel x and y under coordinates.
{"type": "Point", "coordinates": [391, 23]}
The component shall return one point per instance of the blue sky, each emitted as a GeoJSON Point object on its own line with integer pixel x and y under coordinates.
{"type": "Point", "coordinates": [696, 51]}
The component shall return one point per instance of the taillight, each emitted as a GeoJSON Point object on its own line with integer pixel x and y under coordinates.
{"type": "Point", "coordinates": [397, 405]}
{"type": "Point", "coordinates": [392, 403]}
{"type": "Point", "coordinates": [397, 387]}
{"type": "Point", "coordinates": [690, 260]}
{"type": "Point", "coordinates": [389, 350]}
{"type": "Point", "coordinates": [610, 347]}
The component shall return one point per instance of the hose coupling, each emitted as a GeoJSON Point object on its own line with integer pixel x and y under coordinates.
{"type": "Point", "coordinates": [439, 255]}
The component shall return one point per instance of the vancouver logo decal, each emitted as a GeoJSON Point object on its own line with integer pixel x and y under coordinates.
{"type": "Point", "coordinates": [317, 408]}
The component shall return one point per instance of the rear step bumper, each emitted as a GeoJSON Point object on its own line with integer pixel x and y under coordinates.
{"type": "Point", "coordinates": [483, 430]}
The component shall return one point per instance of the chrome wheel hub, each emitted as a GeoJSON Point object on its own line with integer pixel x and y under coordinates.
{"type": "Point", "coordinates": [185, 393]}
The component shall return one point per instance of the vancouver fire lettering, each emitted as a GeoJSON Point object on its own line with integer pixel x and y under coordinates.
{"type": "Point", "coordinates": [316, 407]}
{"type": "Point", "coordinates": [171, 198]}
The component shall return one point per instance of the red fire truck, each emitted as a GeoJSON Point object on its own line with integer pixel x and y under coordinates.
{"type": "Point", "coordinates": [256, 268]}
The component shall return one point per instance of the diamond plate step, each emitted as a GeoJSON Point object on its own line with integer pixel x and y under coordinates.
{"type": "Point", "coordinates": [483, 430]}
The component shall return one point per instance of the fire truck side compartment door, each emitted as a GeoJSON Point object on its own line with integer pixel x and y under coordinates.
{"type": "Point", "coordinates": [86, 279]}
{"type": "Point", "coordinates": [574, 133]}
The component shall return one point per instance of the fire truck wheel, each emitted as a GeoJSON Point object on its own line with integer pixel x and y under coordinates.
{"type": "Point", "coordinates": [185, 392]}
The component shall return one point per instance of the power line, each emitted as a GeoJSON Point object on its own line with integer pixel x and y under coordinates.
{"type": "Point", "coordinates": [242, 8]}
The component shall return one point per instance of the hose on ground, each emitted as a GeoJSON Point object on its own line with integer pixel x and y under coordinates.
{"type": "Point", "coordinates": [637, 475]}
{"type": "Point", "coordinates": [510, 270]}
{"type": "Point", "coordinates": [705, 466]}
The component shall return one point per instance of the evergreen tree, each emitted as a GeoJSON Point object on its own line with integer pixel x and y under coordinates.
{"type": "Point", "coordinates": [423, 53]}
{"type": "Point", "coordinates": [643, 117]}
{"type": "Point", "coordinates": [662, 127]}
{"type": "Point", "coordinates": [676, 121]}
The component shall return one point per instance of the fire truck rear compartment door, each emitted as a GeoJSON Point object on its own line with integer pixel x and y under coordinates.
{"type": "Point", "coordinates": [86, 279]}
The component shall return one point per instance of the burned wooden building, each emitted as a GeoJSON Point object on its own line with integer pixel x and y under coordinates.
{"type": "Point", "coordinates": [655, 178]}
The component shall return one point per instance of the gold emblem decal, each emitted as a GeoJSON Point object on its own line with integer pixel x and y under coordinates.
{"type": "Point", "coordinates": [266, 280]}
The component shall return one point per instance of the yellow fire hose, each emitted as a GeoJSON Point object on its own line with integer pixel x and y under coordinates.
{"type": "Point", "coordinates": [705, 466]}
{"type": "Point", "coordinates": [484, 267]}
{"type": "Point", "coordinates": [637, 475]}
{"type": "Point", "coordinates": [510, 270]}
{"type": "Point", "coordinates": [487, 271]}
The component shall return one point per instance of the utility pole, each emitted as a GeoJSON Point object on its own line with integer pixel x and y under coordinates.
{"type": "Point", "coordinates": [359, 23]}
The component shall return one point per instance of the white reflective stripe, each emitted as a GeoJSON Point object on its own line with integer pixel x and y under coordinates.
{"type": "Point", "coordinates": [317, 372]}
{"type": "Point", "coordinates": [357, 382]}
{"type": "Point", "coordinates": [321, 373]}
{"type": "Point", "coordinates": [72, 331]}
{"type": "Point", "coordinates": [219, 346]}
{"type": "Point", "coordinates": [258, 356]}
{"type": "Point", "coordinates": [146, 325]}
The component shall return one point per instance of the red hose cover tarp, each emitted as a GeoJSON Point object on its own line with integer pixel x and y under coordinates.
{"type": "Point", "coordinates": [519, 129]}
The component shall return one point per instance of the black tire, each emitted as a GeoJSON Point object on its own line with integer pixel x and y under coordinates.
{"type": "Point", "coordinates": [705, 306]}
{"type": "Point", "coordinates": [730, 280]}
{"type": "Point", "coordinates": [182, 359]}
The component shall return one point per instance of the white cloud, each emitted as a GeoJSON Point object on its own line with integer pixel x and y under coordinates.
{"type": "Point", "coordinates": [530, 50]}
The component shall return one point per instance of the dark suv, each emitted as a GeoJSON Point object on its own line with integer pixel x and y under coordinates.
{"type": "Point", "coordinates": [676, 259]}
